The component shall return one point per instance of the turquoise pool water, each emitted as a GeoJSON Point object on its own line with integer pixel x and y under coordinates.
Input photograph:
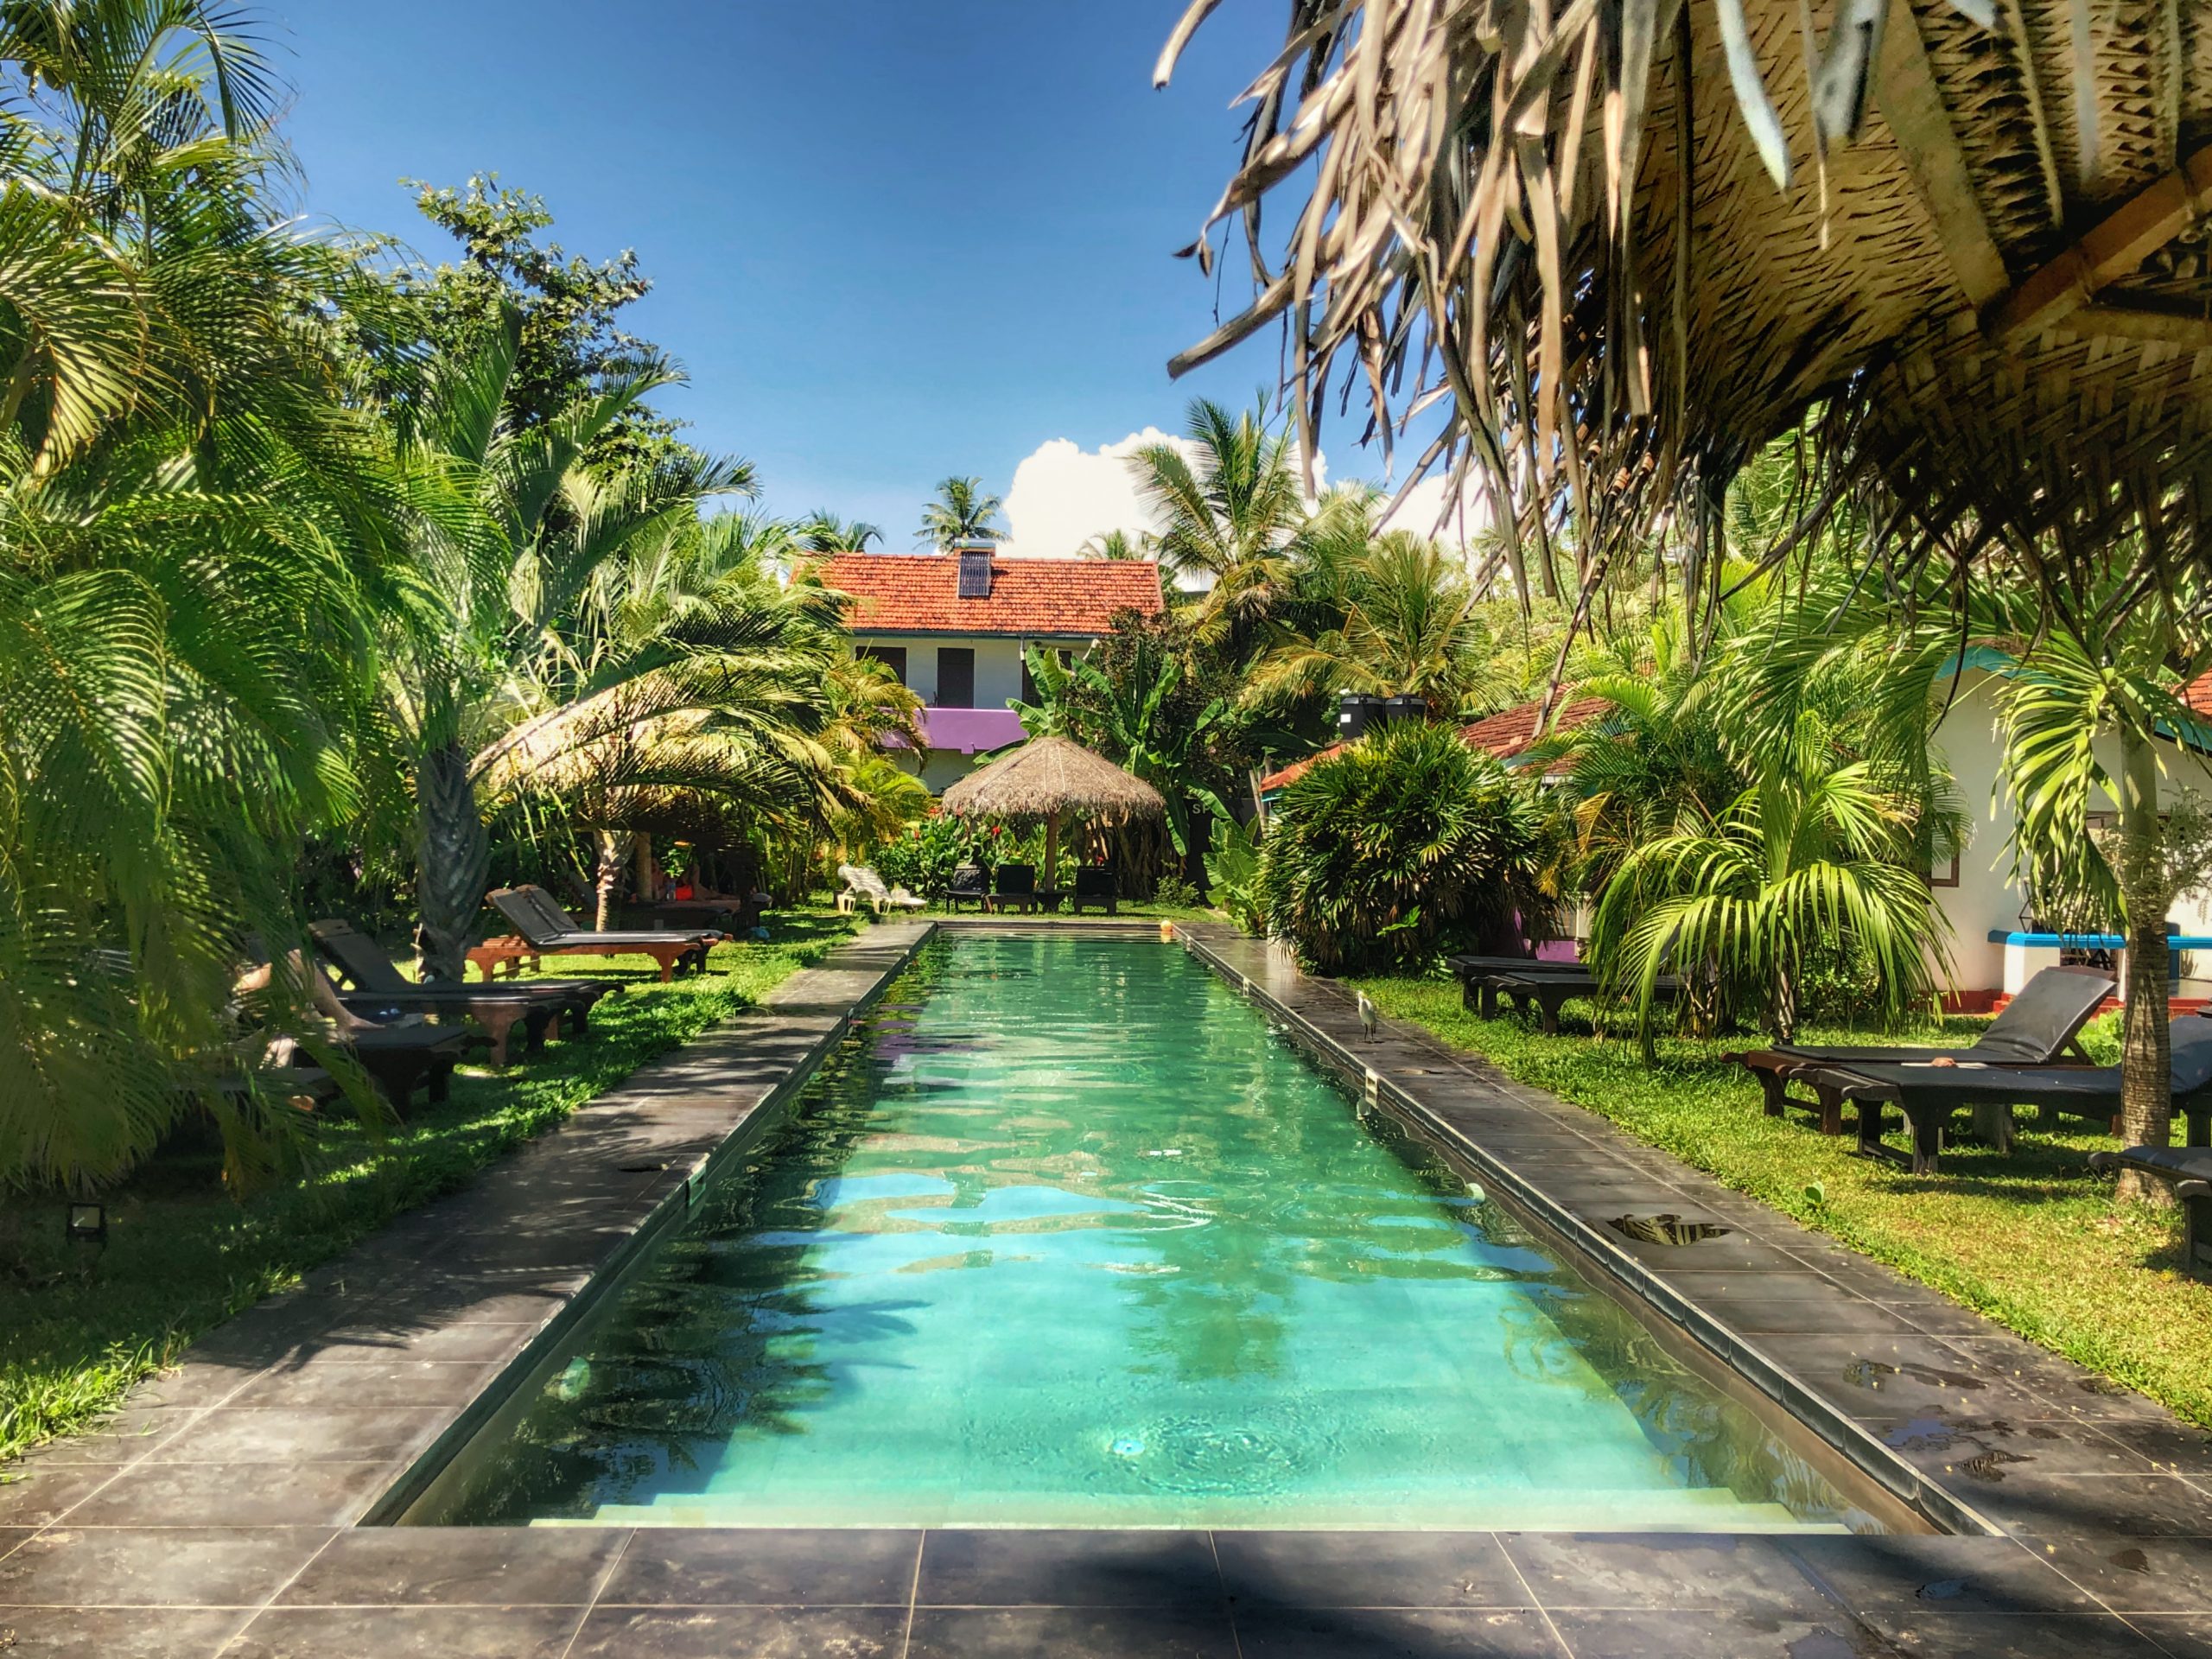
{"type": "Point", "coordinates": [1066, 1236]}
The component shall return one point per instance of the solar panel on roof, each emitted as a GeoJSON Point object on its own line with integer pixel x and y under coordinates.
{"type": "Point", "coordinates": [975, 575]}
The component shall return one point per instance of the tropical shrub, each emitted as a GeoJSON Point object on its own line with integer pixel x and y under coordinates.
{"type": "Point", "coordinates": [1385, 854]}
{"type": "Point", "coordinates": [1233, 873]}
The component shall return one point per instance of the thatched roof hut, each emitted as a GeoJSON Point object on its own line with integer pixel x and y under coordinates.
{"type": "Point", "coordinates": [1625, 243]}
{"type": "Point", "coordinates": [1051, 776]}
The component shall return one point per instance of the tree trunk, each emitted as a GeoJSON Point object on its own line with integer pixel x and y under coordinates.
{"type": "Point", "coordinates": [646, 878]}
{"type": "Point", "coordinates": [453, 859]}
{"type": "Point", "coordinates": [2146, 1074]}
{"type": "Point", "coordinates": [613, 854]}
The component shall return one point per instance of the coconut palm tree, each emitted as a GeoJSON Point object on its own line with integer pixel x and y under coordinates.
{"type": "Point", "coordinates": [1120, 544]}
{"type": "Point", "coordinates": [1231, 506]}
{"type": "Point", "coordinates": [1406, 624]}
{"type": "Point", "coordinates": [822, 532]}
{"type": "Point", "coordinates": [963, 511]}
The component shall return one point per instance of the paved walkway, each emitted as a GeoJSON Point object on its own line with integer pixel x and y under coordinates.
{"type": "Point", "coordinates": [220, 1513]}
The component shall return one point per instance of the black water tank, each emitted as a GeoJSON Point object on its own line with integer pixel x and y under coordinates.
{"type": "Point", "coordinates": [1357, 712]}
{"type": "Point", "coordinates": [1413, 709]}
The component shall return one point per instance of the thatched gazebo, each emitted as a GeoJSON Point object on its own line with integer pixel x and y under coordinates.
{"type": "Point", "coordinates": [1048, 778]}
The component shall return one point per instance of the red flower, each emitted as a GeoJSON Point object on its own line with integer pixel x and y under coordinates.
{"type": "Point", "coordinates": [998, 829]}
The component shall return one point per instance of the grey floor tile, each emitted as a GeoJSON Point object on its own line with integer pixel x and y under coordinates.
{"type": "Point", "coordinates": [1068, 1569]}
{"type": "Point", "coordinates": [1659, 1570]}
{"type": "Point", "coordinates": [453, 1566]}
{"type": "Point", "coordinates": [2053, 1506]}
{"type": "Point", "coordinates": [2137, 1575]}
{"type": "Point", "coordinates": [835, 1567]}
{"type": "Point", "coordinates": [1368, 1569]}
{"type": "Point", "coordinates": [118, 1632]}
{"type": "Point", "coordinates": [236, 1495]}
{"type": "Point", "coordinates": [2167, 1442]}
{"type": "Point", "coordinates": [1997, 1635]}
{"type": "Point", "coordinates": [1719, 1633]}
{"type": "Point", "coordinates": [124, 1437]}
{"type": "Point", "coordinates": [303, 1434]}
{"type": "Point", "coordinates": [1071, 1633]}
{"type": "Point", "coordinates": [2181, 1636]}
{"type": "Point", "coordinates": [35, 1495]}
{"type": "Point", "coordinates": [1873, 1375]}
{"type": "Point", "coordinates": [1395, 1633]}
{"type": "Point", "coordinates": [753, 1632]}
{"type": "Point", "coordinates": [1889, 1579]}
{"type": "Point", "coordinates": [329, 1382]}
{"type": "Point", "coordinates": [1836, 1312]}
{"type": "Point", "coordinates": [1982, 1453]}
{"type": "Point", "coordinates": [1931, 1313]}
{"type": "Point", "coordinates": [483, 1343]}
{"type": "Point", "coordinates": [409, 1633]}
{"type": "Point", "coordinates": [131, 1567]}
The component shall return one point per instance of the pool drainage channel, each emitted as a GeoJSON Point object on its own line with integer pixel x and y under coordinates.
{"type": "Point", "coordinates": [1646, 1293]}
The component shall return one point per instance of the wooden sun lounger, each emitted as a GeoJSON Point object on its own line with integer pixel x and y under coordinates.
{"type": "Point", "coordinates": [2189, 1169]}
{"type": "Point", "coordinates": [549, 930]}
{"type": "Point", "coordinates": [541, 1008]}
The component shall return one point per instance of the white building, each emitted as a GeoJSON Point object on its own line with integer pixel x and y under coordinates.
{"type": "Point", "coordinates": [1977, 894]}
{"type": "Point", "coordinates": [954, 628]}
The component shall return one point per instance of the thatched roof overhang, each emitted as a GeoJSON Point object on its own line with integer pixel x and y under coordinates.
{"type": "Point", "coordinates": [1626, 243]}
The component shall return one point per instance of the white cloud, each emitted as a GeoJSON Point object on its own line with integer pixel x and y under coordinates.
{"type": "Point", "coordinates": [1427, 510]}
{"type": "Point", "coordinates": [1062, 495]}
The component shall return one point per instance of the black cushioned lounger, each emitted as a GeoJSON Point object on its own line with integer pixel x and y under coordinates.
{"type": "Point", "coordinates": [2038, 1027]}
{"type": "Point", "coordinates": [1929, 1094]}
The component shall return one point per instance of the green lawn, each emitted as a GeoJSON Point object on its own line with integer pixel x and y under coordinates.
{"type": "Point", "coordinates": [79, 1325]}
{"type": "Point", "coordinates": [2033, 1240]}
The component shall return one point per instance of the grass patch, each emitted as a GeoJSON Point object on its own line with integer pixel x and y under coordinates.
{"type": "Point", "coordinates": [2035, 1240]}
{"type": "Point", "coordinates": [79, 1327]}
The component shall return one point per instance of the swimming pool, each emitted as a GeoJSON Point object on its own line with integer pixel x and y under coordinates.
{"type": "Point", "coordinates": [1065, 1235]}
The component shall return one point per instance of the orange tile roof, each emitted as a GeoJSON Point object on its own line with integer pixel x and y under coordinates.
{"type": "Point", "coordinates": [1504, 735]}
{"type": "Point", "coordinates": [918, 593]}
{"type": "Point", "coordinates": [2198, 694]}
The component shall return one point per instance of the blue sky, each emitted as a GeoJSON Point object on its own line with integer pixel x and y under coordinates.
{"type": "Point", "coordinates": [889, 240]}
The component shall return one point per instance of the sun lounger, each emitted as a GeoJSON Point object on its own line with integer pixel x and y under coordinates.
{"type": "Point", "coordinates": [863, 882]}
{"type": "Point", "coordinates": [400, 1059]}
{"type": "Point", "coordinates": [1547, 988]}
{"type": "Point", "coordinates": [1014, 887]}
{"type": "Point", "coordinates": [1095, 885]}
{"type": "Point", "coordinates": [540, 1006]}
{"type": "Point", "coordinates": [2189, 1169]}
{"type": "Point", "coordinates": [970, 887]}
{"type": "Point", "coordinates": [550, 931]}
{"type": "Point", "coordinates": [1929, 1094]}
{"type": "Point", "coordinates": [2039, 1027]}
{"type": "Point", "coordinates": [1477, 977]}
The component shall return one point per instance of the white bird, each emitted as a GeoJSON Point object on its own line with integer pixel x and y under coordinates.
{"type": "Point", "coordinates": [1366, 1014]}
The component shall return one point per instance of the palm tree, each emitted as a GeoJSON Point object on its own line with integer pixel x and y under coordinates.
{"type": "Point", "coordinates": [1406, 624]}
{"type": "Point", "coordinates": [1764, 811]}
{"type": "Point", "coordinates": [1231, 511]}
{"type": "Point", "coordinates": [196, 536]}
{"type": "Point", "coordinates": [822, 532]}
{"type": "Point", "coordinates": [963, 511]}
{"type": "Point", "coordinates": [1120, 544]}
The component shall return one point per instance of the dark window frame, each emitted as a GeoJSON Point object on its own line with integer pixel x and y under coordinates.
{"type": "Point", "coordinates": [892, 657]}
{"type": "Point", "coordinates": [950, 655]}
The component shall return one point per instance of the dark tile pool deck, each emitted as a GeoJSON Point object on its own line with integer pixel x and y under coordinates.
{"type": "Point", "coordinates": [222, 1511]}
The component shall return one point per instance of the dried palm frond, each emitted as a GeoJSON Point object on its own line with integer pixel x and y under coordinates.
{"type": "Point", "coordinates": [1616, 246]}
